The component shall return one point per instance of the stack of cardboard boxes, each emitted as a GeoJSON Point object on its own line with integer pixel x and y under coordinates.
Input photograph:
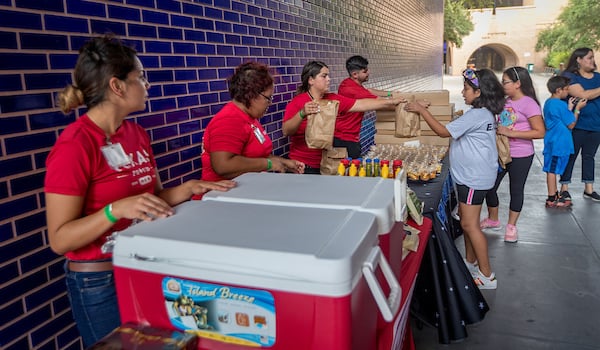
{"type": "Point", "coordinates": [440, 107]}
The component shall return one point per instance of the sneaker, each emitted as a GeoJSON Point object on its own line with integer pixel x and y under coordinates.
{"type": "Point", "coordinates": [483, 282]}
{"type": "Point", "coordinates": [510, 235]}
{"type": "Point", "coordinates": [566, 197]}
{"type": "Point", "coordinates": [489, 223]}
{"type": "Point", "coordinates": [472, 267]}
{"type": "Point", "coordinates": [593, 196]}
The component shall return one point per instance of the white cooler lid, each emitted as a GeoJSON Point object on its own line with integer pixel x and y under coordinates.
{"type": "Point", "coordinates": [368, 194]}
{"type": "Point", "coordinates": [300, 249]}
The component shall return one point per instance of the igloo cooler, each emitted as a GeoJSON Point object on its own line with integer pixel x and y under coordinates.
{"type": "Point", "coordinates": [384, 198]}
{"type": "Point", "coordinates": [242, 275]}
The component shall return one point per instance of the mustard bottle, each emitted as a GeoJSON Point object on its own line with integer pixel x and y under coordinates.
{"type": "Point", "coordinates": [362, 172]}
{"type": "Point", "coordinates": [341, 170]}
{"type": "Point", "coordinates": [353, 171]}
{"type": "Point", "coordinates": [385, 170]}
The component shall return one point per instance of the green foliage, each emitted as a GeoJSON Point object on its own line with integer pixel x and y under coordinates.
{"type": "Point", "coordinates": [577, 26]}
{"type": "Point", "coordinates": [478, 4]}
{"type": "Point", "coordinates": [555, 58]}
{"type": "Point", "coordinates": [457, 22]}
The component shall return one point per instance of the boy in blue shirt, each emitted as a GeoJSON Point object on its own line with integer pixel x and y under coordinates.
{"type": "Point", "coordinates": [560, 118]}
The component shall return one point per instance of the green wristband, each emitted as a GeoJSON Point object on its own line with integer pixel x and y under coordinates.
{"type": "Point", "coordinates": [302, 116]}
{"type": "Point", "coordinates": [109, 215]}
{"type": "Point", "coordinates": [269, 164]}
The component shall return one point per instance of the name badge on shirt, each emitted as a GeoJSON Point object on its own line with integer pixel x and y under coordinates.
{"type": "Point", "coordinates": [115, 155]}
{"type": "Point", "coordinates": [258, 134]}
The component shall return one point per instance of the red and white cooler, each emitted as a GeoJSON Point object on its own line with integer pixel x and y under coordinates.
{"type": "Point", "coordinates": [243, 275]}
{"type": "Point", "coordinates": [384, 198]}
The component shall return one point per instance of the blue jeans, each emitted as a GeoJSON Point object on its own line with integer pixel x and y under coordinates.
{"type": "Point", "coordinates": [94, 303]}
{"type": "Point", "coordinates": [587, 142]}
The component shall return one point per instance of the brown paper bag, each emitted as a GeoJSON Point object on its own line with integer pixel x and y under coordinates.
{"type": "Point", "coordinates": [320, 126]}
{"type": "Point", "coordinates": [503, 150]}
{"type": "Point", "coordinates": [330, 160]}
{"type": "Point", "coordinates": [408, 124]}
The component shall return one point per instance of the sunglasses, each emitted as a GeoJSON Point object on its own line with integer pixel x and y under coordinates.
{"type": "Point", "coordinates": [470, 75]}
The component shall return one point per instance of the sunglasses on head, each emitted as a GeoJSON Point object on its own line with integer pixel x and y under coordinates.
{"type": "Point", "coordinates": [471, 76]}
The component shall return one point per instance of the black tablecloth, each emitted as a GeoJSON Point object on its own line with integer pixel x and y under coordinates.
{"type": "Point", "coordinates": [445, 295]}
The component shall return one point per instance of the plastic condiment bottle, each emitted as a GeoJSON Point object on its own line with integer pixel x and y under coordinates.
{"type": "Point", "coordinates": [347, 162]}
{"type": "Point", "coordinates": [369, 167]}
{"type": "Point", "coordinates": [341, 170]}
{"type": "Point", "coordinates": [343, 167]}
{"type": "Point", "coordinates": [385, 169]}
{"type": "Point", "coordinates": [396, 167]}
{"type": "Point", "coordinates": [352, 171]}
{"type": "Point", "coordinates": [362, 172]}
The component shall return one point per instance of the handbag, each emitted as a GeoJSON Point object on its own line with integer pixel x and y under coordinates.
{"type": "Point", "coordinates": [320, 126]}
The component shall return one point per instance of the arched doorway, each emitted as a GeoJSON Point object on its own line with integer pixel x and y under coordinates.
{"type": "Point", "coordinates": [493, 56]}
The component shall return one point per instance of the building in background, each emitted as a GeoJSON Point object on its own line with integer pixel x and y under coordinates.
{"type": "Point", "coordinates": [505, 36]}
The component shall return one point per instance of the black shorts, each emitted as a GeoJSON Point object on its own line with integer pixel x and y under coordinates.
{"type": "Point", "coordinates": [470, 196]}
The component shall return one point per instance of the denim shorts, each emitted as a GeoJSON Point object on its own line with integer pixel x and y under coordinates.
{"type": "Point", "coordinates": [94, 304]}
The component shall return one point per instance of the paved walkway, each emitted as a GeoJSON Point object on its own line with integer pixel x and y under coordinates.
{"type": "Point", "coordinates": [548, 294]}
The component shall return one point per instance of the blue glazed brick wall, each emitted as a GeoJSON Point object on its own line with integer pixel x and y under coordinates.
{"type": "Point", "coordinates": [189, 49]}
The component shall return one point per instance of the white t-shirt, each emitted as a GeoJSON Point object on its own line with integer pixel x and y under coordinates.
{"type": "Point", "coordinates": [473, 152]}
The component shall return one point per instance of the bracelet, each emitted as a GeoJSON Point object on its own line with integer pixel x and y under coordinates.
{"type": "Point", "coordinates": [269, 164]}
{"type": "Point", "coordinates": [302, 116]}
{"type": "Point", "coordinates": [576, 111]}
{"type": "Point", "coordinates": [109, 215]}
{"type": "Point", "coordinates": [389, 94]}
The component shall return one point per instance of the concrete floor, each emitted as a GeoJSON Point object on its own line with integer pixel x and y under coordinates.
{"type": "Point", "coordinates": [548, 294]}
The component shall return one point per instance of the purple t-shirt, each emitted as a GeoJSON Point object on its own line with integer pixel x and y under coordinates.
{"type": "Point", "coordinates": [516, 116]}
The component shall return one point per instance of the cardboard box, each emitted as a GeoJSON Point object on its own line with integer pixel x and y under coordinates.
{"type": "Point", "coordinates": [428, 133]}
{"type": "Point", "coordinates": [435, 97]}
{"type": "Point", "coordinates": [385, 125]}
{"type": "Point", "coordinates": [385, 116]}
{"type": "Point", "coordinates": [441, 109]}
{"type": "Point", "coordinates": [386, 132]}
{"type": "Point", "coordinates": [425, 126]}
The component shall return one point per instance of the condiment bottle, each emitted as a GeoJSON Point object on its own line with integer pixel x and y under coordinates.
{"type": "Point", "coordinates": [362, 172]}
{"type": "Point", "coordinates": [385, 169]}
{"type": "Point", "coordinates": [369, 167]}
{"type": "Point", "coordinates": [352, 171]}
{"type": "Point", "coordinates": [397, 163]}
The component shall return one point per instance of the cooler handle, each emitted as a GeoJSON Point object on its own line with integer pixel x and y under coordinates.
{"type": "Point", "coordinates": [400, 195]}
{"type": "Point", "coordinates": [388, 306]}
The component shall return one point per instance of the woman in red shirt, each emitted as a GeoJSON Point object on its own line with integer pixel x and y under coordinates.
{"type": "Point", "coordinates": [314, 87]}
{"type": "Point", "coordinates": [101, 174]}
{"type": "Point", "coordinates": [234, 140]}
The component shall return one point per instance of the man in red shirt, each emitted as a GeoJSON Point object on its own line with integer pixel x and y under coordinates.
{"type": "Point", "coordinates": [347, 127]}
